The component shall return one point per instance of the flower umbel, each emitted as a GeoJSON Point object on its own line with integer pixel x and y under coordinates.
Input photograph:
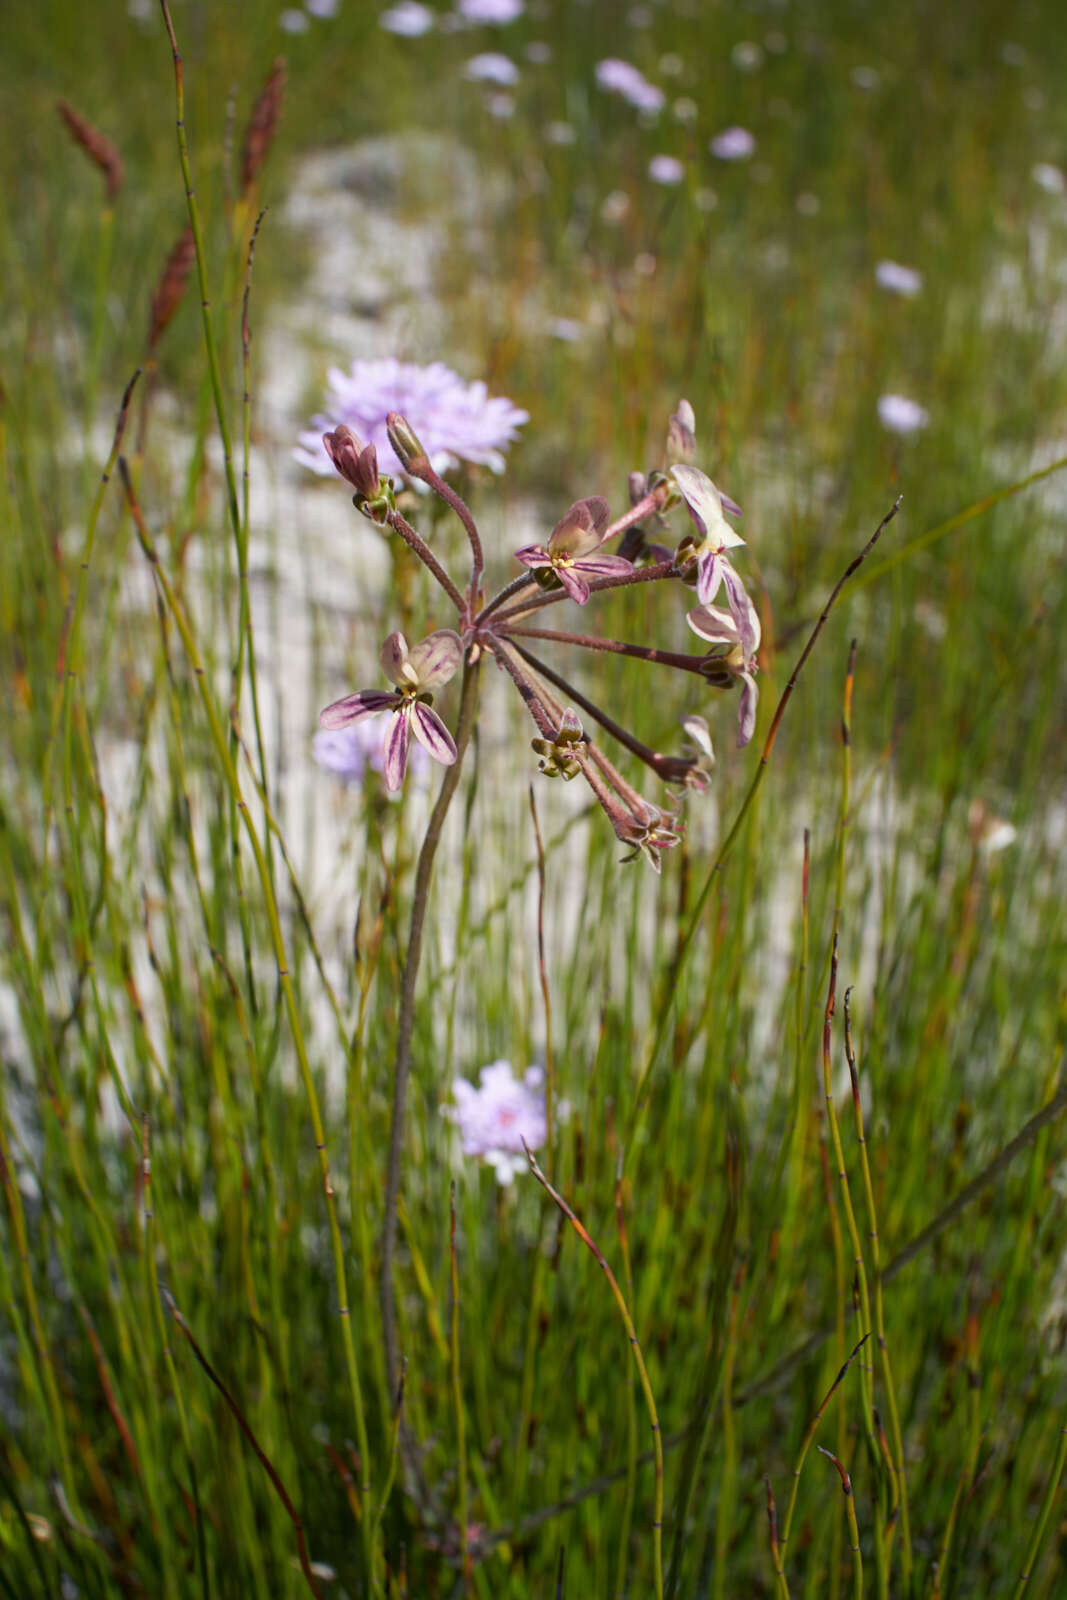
{"type": "Point", "coordinates": [416, 673]}
{"type": "Point", "coordinates": [572, 563]}
{"type": "Point", "coordinates": [568, 558]}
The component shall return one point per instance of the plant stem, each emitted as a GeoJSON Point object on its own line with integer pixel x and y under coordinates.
{"type": "Point", "coordinates": [402, 1067]}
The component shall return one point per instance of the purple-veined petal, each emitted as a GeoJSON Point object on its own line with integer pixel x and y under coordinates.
{"type": "Point", "coordinates": [605, 566]}
{"type": "Point", "coordinates": [365, 703]}
{"type": "Point", "coordinates": [575, 585]}
{"type": "Point", "coordinates": [396, 747]}
{"type": "Point", "coordinates": [704, 503]}
{"type": "Point", "coordinates": [578, 530]}
{"type": "Point", "coordinates": [431, 733]}
{"type": "Point", "coordinates": [743, 612]}
{"type": "Point", "coordinates": [698, 730]}
{"type": "Point", "coordinates": [709, 576]}
{"type": "Point", "coordinates": [435, 660]}
{"type": "Point", "coordinates": [713, 624]}
{"type": "Point", "coordinates": [730, 505]}
{"type": "Point", "coordinates": [746, 710]}
{"type": "Point", "coordinates": [393, 656]}
{"type": "Point", "coordinates": [533, 555]}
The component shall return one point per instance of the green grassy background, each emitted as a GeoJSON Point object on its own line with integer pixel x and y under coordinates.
{"type": "Point", "coordinates": [136, 937]}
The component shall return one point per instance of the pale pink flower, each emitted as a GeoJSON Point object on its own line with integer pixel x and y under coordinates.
{"type": "Point", "coordinates": [496, 1118]}
{"type": "Point", "coordinates": [570, 554]}
{"type": "Point", "coordinates": [901, 415]}
{"type": "Point", "coordinates": [491, 67]}
{"type": "Point", "coordinates": [408, 19]}
{"type": "Point", "coordinates": [416, 673]}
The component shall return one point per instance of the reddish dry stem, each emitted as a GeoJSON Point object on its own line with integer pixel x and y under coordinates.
{"type": "Point", "coordinates": [97, 146]}
{"type": "Point", "coordinates": [262, 125]}
{"type": "Point", "coordinates": [171, 285]}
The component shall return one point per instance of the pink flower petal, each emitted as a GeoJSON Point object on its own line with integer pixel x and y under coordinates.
{"type": "Point", "coordinates": [432, 734]}
{"type": "Point", "coordinates": [396, 748]}
{"type": "Point", "coordinates": [605, 566]}
{"type": "Point", "coordinates": [575, 586]}
{"type": "Point", "coordinates": [435, 660]}
{"type": "Point", "coordinates": [746, 711]}
{"type": "Point", "coordinates": [365, 703]}
{"type": "Point", "coordinates": [743, 612]}
{"type": "Point", "coordinates": [533, 555]}
{"type": "Point", "coordinates": [709, 576]}
{"type": "Point", "coordinates": [393, 656]}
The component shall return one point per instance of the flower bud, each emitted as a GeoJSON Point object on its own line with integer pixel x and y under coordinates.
{"type": "Point", "coordinates": [405, 442]}
{"type": "Point", "coordinates": [681, 434]}
{"type": "Point", "coordinates": [357, 463]}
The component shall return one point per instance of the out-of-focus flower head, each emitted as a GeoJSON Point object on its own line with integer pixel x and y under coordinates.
{"type": "Point", "coordinates": [491, 67]}
{"type": "Point", "coordinates": [491, 11]}
{"type": "Point", "coordinates": [455, 421]}
{"type": "Point", "coordinates": [495, 1118]}
{"type": "Point", "coordinates": [354, 751]}
{"type": "Point", "coordinates": [667, 170]}
{"type": "Point", "coordinates": [408, 19]}
{"type": "Point", "coordinates": [733, 144]}
{"type": "Point", "coordinates": [901, 415]}
{"type": "Point", "coordinates": [898, 279]}
{"type": "Point", "coordinates": [622, 78]}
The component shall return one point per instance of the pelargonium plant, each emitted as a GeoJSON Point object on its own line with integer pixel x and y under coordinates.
{"type": "Point", "coordinates": [573, 563]}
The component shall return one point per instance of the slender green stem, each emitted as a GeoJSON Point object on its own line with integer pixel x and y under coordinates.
{"type": "Point", "coordinates": [639, 1361]}
{"type": "Point", "coordinates": [406, 1020]}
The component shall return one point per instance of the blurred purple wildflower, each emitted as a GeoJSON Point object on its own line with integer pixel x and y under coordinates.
{"type": "Point", "coordinates": [491, 67]}
{"type": "Point", "coordinates": [666, 169]}
{"type": "Point", "coordinates": [901, 415]}
{"type": "Point", "coordinates": [409, 19]}
{"type": "Point", "coordinates": [455, 421]}
{"type": "Point", "coordinates": [498, 11]}
{"type": "Point", "coordinates": [493, 1120]}
{"type": "Point", "coordinates": [354, 751]}
{"type": "Point", "coordinates": [733, 144]}
{"type": "Point", "coordinates": [620, 77]}
{"type": "Point", "coordinates": [898, 279]}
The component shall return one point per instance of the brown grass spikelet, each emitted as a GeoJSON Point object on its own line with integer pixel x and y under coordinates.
{"type": "Point", "coordinates": [96, 145]}
{"type": "Point", "coordinates": [262, 125]}
{"type": "Point", "coordinates": [171, 285]}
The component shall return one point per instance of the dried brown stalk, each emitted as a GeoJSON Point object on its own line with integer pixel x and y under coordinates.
{"type": "Point", "coordinates": [96, 145]}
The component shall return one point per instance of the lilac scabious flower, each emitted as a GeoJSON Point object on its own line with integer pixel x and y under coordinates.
{"type": "Point", "coordinates": [409, 19]}
{"type": "Point", "coordinates": [496, 1118]}
{"type": "Point", "coordinates": [666, 169]}
{"type": "Point", "coordinates": [898, 279]}
{"type": "Point", "coordinates": [455, 421]}
{"type": "Point", "coordinates": [733, 144]}
{"type": "Point", "coordinates": [354, 751]}
{"type": "Point", "coordinates": [494, 11]}
{"type": "Point", "coordinates": [620, 77]}
{"type": "Point", "coordinates": [901, 415]}
{"type": "Point", "coordinates": [491, 67]}
{"type": "Point", "coordinates": [416, 673]}
{"type": "Point", "coordinates": [730, 660]}
{"type": "Point", "coordinates": [569, 558]}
